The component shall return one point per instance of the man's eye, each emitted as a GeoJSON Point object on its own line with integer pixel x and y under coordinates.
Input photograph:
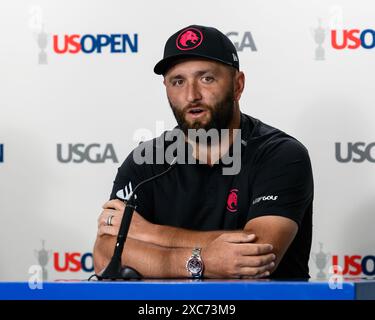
{"type": "Point", "coordinates": [207, 79]}
{"type": "Point", "coordinates": [178, 82]}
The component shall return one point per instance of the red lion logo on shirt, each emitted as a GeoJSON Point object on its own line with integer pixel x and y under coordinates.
{"type": "Point", "coordinates": [232, 200]}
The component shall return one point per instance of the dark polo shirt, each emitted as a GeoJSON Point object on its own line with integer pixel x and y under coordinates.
{"type": "Point", "coordinates": [275, 179]}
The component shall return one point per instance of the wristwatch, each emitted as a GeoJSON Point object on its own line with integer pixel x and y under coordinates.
{"type": "Point", "coordinates": [194, 265]}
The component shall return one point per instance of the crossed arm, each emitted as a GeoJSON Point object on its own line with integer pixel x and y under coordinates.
{"type": "Point", "coordinates": [158, 251]}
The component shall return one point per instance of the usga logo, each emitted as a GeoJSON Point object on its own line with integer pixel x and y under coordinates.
{"type": "Point", "coordinates": [355, 152]}
{"type": "Point", "coordinates": [89, 43]}
{"type": "Point", "coordinates": [242, 41]}
{"type": "Point", "coordinates": [93, 153]}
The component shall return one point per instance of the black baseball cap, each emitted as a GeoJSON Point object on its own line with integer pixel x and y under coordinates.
{"type": "Point", "coordinates": [198, 41]}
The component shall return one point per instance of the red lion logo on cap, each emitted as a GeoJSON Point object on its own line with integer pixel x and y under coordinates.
{"type": "Point", "coordinates": [232, 200]}
{"type": "Point", "coordinates": [189, 39]}
{"type": "Point", "coordinates": [188, 36]}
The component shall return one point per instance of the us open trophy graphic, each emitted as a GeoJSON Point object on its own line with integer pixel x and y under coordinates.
{"type": "Point", "coordinates": [43, 257]}
{"type": "Point", "coordinates": [42, 40]}
{"type": "Point", "coordinates": [319, 35]}
{"type": "Point", "coordinates": [321, 259]}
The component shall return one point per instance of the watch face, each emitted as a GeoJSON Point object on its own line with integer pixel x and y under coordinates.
{"type": "Point", "coordinates": [195, 265]}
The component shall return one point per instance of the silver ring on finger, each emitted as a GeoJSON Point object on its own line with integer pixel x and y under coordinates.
{"type": "Point", "coordinates": [109, 220]}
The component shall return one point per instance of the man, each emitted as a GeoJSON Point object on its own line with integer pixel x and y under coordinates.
{"type": "Point", "coordinates": [196, 221]}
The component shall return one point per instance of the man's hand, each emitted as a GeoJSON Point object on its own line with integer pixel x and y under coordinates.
{"type": "Point", "coordinates": [139, 227]}
{"type": "Point", "coordinates": [233, 255]}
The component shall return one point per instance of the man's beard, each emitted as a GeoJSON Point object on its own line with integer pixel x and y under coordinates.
{"type": "Point", "coordinates": [221, 114]}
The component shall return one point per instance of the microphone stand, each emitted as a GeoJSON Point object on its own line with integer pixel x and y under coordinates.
{"type": "Point", "coordinates": [114, 270]}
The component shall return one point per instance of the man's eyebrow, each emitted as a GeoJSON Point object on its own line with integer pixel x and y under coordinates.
{"type": "Point", "coordinates": [202, 72]}
{"type": "Point", "coordinates": [177, 76]}
{"type": "Point", "coordinates": [197, 73]}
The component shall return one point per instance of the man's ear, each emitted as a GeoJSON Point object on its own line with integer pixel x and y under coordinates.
{"type": "Point", "coordinates": [239, 85]}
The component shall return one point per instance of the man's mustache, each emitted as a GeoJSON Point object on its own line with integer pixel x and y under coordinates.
{"type": "Point", "coordinates": [194, 106]}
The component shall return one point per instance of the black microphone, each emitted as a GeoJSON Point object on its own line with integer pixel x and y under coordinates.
{"type": "Point", "coordinates": [114, 270]}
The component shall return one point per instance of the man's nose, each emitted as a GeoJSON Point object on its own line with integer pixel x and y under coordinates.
{"type": "Point", "coordinates": [193, 92]}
